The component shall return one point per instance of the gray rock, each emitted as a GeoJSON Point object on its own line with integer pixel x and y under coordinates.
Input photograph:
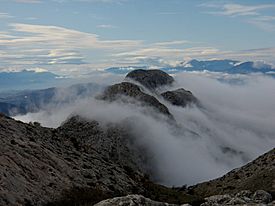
{"type": "Point", "coordinates": [131, 200]}
{"type": "Point", "coordinates": [151, 79]}
{"type": "Point", "coordinates": [130, 90]}
{"type": "Point", "coordinates": [261, 196]}
{"type": "Point", "coordinates": [179, 97]}
{"type": "Point", "coordinates": [217, 199]}
{"type": "Point", "coordinates": [271, 203]}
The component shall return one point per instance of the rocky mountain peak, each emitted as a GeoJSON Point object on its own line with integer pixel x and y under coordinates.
{"type": "Point", "coordinates": [150, 79]}
{"type": "Point", "coordinates": [133, 92]}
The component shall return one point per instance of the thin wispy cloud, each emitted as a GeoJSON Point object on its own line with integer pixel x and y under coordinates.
{"type": "Point", "coordinates": [63, 37]}
{"type": "Point", "coordinates": [238, 9]}
{"type": "Point", "coordinates": [52, 45]}
{"type": "Point", "coordinates": [106, 26]}
{"type": "Point", "coordinates": [253, 14]}
{"type": "Point", "coordinates": [90, 1]}
{"type": "Point", "coordinates": [169, 43]}
{"type": "Point", "coordinates": [4, 15]}
{"type": "Point", "coordinates": [28, 1]}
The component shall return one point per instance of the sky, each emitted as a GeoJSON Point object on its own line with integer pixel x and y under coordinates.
{"type": "Point", "coordinates": [82, 36]}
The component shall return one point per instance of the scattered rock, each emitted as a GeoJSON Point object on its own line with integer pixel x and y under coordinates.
{"type": "Point", "coordinates": [151, 79]}
{"type": "Point", "coordinates": [260, 197]}
{"type": "Point", "coordinates": [131, 200]}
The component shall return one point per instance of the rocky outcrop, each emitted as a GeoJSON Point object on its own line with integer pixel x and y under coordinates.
{"type": "Point", "coordinates": [133, 200]}
{"type": "Point", "coordinates": [179, 97]}
{"type": "Point", "coordinates": [260, 197]}
{"type": "Point", "coordinates": [127, 89]}
{"type": "Point", "coordinates": [151, 79]}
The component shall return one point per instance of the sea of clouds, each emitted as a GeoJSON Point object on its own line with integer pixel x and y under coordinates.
{"type": "Point", "coordinates": [234, 124]}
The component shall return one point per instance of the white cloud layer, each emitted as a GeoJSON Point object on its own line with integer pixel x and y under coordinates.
{"type": "Point", "coordinates": [235, 125]}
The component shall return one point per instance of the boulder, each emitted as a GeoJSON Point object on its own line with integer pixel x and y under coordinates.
{"type": "Point", "coordinates": [151, 79]}
{"type": "Point", "coordinates": [261, 196]}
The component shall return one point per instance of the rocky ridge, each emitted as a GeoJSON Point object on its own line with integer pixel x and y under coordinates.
{"type": "Point", "coordinates": [126, 89]}
{"type": "Point", "coordinates": [146, 92]}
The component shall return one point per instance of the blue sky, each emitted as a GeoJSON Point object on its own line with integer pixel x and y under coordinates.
{"type": "Point", "coordinates": [79, 36]}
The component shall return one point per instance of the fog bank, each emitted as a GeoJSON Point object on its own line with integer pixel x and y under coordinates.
{"type": "Point", "coordinates": [235, 124]}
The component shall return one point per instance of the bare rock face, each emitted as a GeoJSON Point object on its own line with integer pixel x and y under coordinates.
{"type": "Point", "coordinates": [133, 200]}
{"type": "Point", "coordinates": [179, 97]}
{"type": "Point", "coordinates": [127, 89]}
{"type": "Point", "coordinates": [150, 79]}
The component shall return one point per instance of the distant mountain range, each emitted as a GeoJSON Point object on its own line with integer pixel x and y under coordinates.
{"type": "Point", "coordinates": [26, 79]}
{"type": "Point", "coordinates": [225, 66]}
{"type": "Point", "coordinates": [26, 101]}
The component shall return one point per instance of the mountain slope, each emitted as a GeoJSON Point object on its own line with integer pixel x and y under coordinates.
{"type": "Point", "coordinates": [38, 164]}
{"type": "Point", "coordinates": [258, 174]}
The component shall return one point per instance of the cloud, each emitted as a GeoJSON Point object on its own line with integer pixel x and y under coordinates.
{"type": "Point", "coordinates": [27, 44]}
{"type": "Point", "coordinates": [92, 1]}
{"type": "Point", "coordinates": [4, 15]}
{"type": "Point", "coordinates": [53, 35]}
{"type": "Point", "coordinates": [65, 1]}
{"type": "Point", "coordinates": [239, 9]}
{"type": "Point", "coordinates": [171, 43]}
{"type": "Point", "coordinates": [174, 56]}
{"type": "Point", "coordinates": [28, 1]}
{"type": "Point", "coordinates": [37, 69]}
{"type": "Point", "coordinates": [235, 125]}
{"type": "Point", "coordinates": [106, 26]}
{"type": "Point", "coordinates": [253, 14]}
